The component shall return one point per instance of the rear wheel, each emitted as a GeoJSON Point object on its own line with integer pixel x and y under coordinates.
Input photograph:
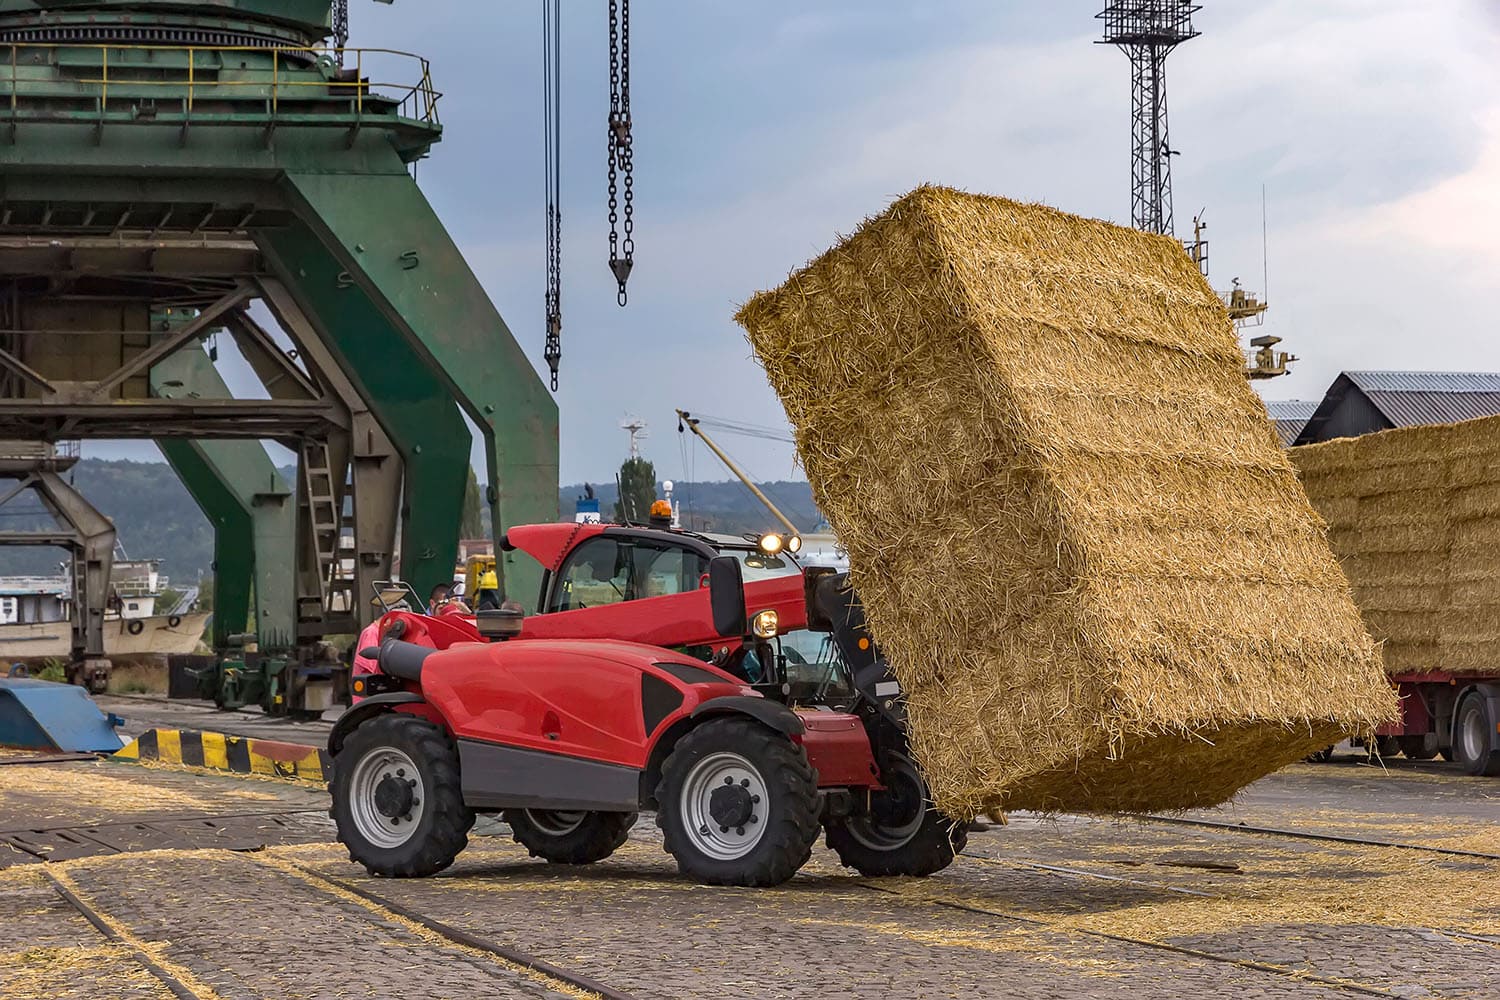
{"type": "Point", "coordinates": [569, 838]}
{"type": "Point", "coordinates": [1476, 745]}
{"type": "Point", "coordinates": [1322, 756]}
{"type": "Point", "coordinates": [397, 800]}
{"type": "Point", "coordinates": [738, 804]}
{"type": "Point", "coordinates": [900, 834]}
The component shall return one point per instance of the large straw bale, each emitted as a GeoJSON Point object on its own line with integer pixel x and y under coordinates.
{"type": "Point", "coordinates": [1066, 513]}
{"type": "Point", "coordinates": [1411, 527]}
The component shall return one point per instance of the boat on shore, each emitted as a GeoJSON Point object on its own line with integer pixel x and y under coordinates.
{"type": "Point", "coordinates": [36, 616]}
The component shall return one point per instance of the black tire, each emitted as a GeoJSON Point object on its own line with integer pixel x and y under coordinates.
{"type": "Point", "coordinates": [769, 787]}
{"type": "Point", "coordinates": [569, 838]}
{"type": "Point", "coordinates": [1476, 747]}
{"type": "Point", "coordinates": [1418, 747]}
{"type": "Point", "coordinates": [371, 787]}
{"type": "Point", "coordinates": [901, 834]}
{"type": "Point", "coordinates": [1322, 756]}
{"type": "Point", "coordinates": [1386, 746]}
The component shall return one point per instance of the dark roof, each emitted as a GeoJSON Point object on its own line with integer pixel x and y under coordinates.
{"type": "Point", "coordinates": [1409, 399]}
{"type": "Point", "coordinates": [1290, 416]}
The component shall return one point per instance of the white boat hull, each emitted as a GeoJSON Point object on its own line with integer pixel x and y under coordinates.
{"type": "Point", "coordinates": [153, 636]}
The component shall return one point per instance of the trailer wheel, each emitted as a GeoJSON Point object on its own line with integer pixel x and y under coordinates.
{"type": "Point", "coordinates": [1475, 744]}
{"type": "Point", "coordinates": [569, 838]}
{"type": "Point", "coordinates": [1418, 747]}
{"type": "Point", "coordinates": [738, 804]}
{"type": "Point", "coordinates": [901, 834]}
{"type": "Point", "coordinates": [397, 799]}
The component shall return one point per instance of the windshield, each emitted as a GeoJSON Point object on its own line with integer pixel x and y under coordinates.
{"type": "Point", "coordinates": [814, 668]}
{"type": "Point", "coordinates": [756, 565]}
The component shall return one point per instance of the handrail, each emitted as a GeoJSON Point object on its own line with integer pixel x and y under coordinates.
{"type": "Point", "coordinates": [415, 101]}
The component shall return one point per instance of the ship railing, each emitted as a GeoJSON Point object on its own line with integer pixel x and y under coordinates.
{"type": "Point", "coordinates": [415, 98]}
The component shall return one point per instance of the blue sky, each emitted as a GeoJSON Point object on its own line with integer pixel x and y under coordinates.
{"type": "Point", "coordinates": [764, 130]}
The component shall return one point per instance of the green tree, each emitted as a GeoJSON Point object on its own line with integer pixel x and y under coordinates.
{"type": "Point", "coordinates": [637, 491]}
{"type": "Point", "coordinates": [472, 523]}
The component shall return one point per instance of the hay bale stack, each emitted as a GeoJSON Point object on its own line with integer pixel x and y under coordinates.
{"type": "Point", "coordinates": [1070, 522]}
{"type": "Point", "coordinates": [1414, 517]}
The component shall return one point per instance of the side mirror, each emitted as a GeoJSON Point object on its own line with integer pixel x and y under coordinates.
{"type": "Point", "coordinates": [726, 596]}
{"type": "Point", "coordinates": [499, 624]}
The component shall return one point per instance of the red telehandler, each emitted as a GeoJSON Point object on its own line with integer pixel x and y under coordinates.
{"type": "Point", "coordinates": [663, 673]}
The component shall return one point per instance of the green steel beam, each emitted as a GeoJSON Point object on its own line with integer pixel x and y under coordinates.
{"type": "Point", "coordinates": [234, 537]}
{"type": "Point", "coordinates": [410, 402]}
{"type": "Point", "coordinates": [404, 261]}
{"type": "Point", "coordinates": [245, 473]}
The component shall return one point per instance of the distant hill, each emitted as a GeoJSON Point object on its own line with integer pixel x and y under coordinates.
{"type": "Point", "coordinates": [727, 507]}
{"type": "Point", "coordinates": [154, 516]}
{"type": "Point", "coordinates": [157, 519]}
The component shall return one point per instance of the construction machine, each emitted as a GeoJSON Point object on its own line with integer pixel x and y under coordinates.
{"type": "Point", "coordinates": [668, 671]}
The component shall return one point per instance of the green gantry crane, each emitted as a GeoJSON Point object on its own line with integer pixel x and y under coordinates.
{"type": "Point", "coordinates": [173, 172]}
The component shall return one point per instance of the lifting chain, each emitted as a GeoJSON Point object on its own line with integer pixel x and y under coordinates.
{"type": "Point", "coordinates": [340, 26]}
{"type": "Point", "coordinates": [621, 157]}
{"type": "Point", "coordinates": [552, 129]}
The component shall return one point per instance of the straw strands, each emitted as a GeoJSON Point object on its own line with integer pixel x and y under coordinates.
{"type": "Point", "coordinates": [1414, 517]}
{"type": "Point", "coordinates": [1067, 516]}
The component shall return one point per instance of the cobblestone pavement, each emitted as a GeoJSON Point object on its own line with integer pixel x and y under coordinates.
{"type": "Point", "coordinates": [58, 811]}
{"type": "Point", "coordinates": [1071, 907]}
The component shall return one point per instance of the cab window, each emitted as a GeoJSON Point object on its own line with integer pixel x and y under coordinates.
{"type": "Point", "coordinates": [608, 571]}
{"type": "Point", "coordinates": [662, 569]}
{"type": "Point", "coordinates": [596, 573]}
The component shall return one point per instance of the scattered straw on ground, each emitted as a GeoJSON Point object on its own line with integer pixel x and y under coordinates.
{"type": "Point", "coordinates": [1069, 520]}
{"type": "Point", "coordinates": [1414, 516]}
{"type": "Point", "coordinates": [83, 973]}
{"type": "Point", "coordinates": [157, 951]}
{"type": "Point", "coordinates": [91, 788]}
{"type": "Point", "coordinates": [1337, 887]}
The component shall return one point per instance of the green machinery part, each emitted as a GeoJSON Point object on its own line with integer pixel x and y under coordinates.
{"type": "Point", "coordinates": [249, 504]}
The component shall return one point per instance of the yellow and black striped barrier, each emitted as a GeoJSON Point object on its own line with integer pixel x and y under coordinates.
{"type": "Point", "coordinates": [234, 754]}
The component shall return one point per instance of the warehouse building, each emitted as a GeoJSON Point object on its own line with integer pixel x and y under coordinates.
{"type": "Point", "coordinates": [1365, 402]}
{"type": "Point", "coordinates": [1289, 417]}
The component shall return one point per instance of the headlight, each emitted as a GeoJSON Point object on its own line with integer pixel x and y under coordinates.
{"type": "Point", "coordinates": [771, 543]}
{"type": "Point", "coordinates": [765, 624]}
{"type": "Point", "coordinates": [794, 544]}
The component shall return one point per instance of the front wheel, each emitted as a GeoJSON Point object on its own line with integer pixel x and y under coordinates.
{"type": "Point", "coordinates": [738, 804]}
{"type": "Point", "coordinates": [569, 838]}
{"type": "Point", "coordinates": [900, 833]}
{"type": "Point", "coordinates": [1476, 746]}
{"type": "Point", "coordinates": [397, 800]}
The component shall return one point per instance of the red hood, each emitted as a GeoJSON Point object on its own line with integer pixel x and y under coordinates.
{"type": "Point", "coordinates": [548, 543]}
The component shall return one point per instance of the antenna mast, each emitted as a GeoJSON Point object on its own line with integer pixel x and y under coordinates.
{"type": "Point", "coordinates": [1147, 31]}
{"type": "Point", "coordinates": [636, 428]}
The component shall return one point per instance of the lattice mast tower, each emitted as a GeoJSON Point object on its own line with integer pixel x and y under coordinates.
{"type": "Point", "coordinates": [1147, 31]}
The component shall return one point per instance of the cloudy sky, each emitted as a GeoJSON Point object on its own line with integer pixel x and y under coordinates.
{"type": "Point", "coordinates": [763, 130]}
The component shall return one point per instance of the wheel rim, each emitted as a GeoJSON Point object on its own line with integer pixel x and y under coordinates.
{"type": "Point", "coordinates": [724, 806]}
{"type": "Point", "coordinates": [383, 813]}
{"type": "Point", "coordinates": [555, 822]}
{"type": "Point", "coordinates": [1473, 734]}
{"type": "Point", "coordinates": [896, 814]}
